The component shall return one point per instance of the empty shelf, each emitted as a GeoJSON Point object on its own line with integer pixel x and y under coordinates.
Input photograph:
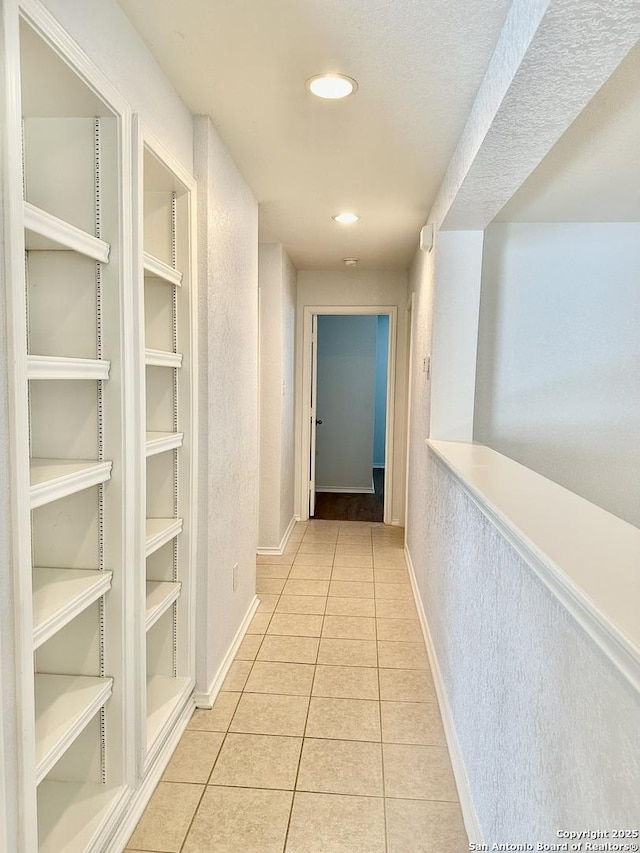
{"type": "Point", "coordinates": [71, 814]}
{"type": "Point", "coordinates": [59, 595]}
{"type": "Point", "coordinates": [160, 531]}
{"type": "Point", "coordinates": [48, 232]}
{"type": "Point", "coordinates": [158, 442]}
{"type": "Point", "coordinates": [65, 704]}
{"type": "Point", "coordinates": [52, 479]}
{"type": "Point", "coordinates": [161, 358]}
{"type": "Point", "coordinates": [52, 367]}
{"type": "Point", "coordinates": [163, 698]}
{"type": "Point", "coordinates": [155, 268]}
{"type": "Point", "coordinates": [160, 597]}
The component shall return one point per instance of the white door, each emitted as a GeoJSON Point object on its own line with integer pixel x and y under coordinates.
{"type": "Point", "coordinates": [314, 395]}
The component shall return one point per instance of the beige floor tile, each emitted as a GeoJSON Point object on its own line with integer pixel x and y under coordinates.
{"type": "Point", "coordinates": [295, 625]}
{"type": "Point", "coordinates": [354, 561]}
{"type": "Point", "coordinates": [317, 548]}
{"type": "Point", "coordinates": [343, 719]}
{"type": "Point", "coordinates": [333, 823]}
{"type": "Point", "coordinates": [347, 549]}
{"type": "Point", "coordinates": [293, 679]}
{"type": "Point", "coordinates": [399, 630]}
{"type": "Point", "coordinates": [258, 761]}
{"type": "Point", "coordinates": [289, 649]}
{"type": "Point", "coordinates": [269, 586]}
{"type": "Point", "coordinates": [425, 827]}
{"type": "Point", "coordinates": [349, 627]}
{"type": "Point", "coordinates": [351, 606]}
{"type": "Point", "coordinates": [346, 682]}
{"type": "Point", "coordinates": [240, 820]}
{"type": "Point", "coordinates": [303, 559]}
{"type": "Point", "coordinates": [323, 524]}
{"type": "Point", "coordinates": [300, 587]}
{"type": "Point", "coordinates": [267, 603]}
{"type": "Point", "coordinates": [406, 685]}
{"type": "Point", "coordinates": [412, 722]}
{"type": "Point", "coordinates": [351, 589]}
{"type": "Point", "coordinates": [394, 590]}
{"type": "Point", "coordinates": [352, 537]}
{"type": "Point", "coordinates": [237, 676]}
{"type": "Point", "coordinates": [396, 608]}
{"type": "Point", "coordinates": [219, 717]}
{"type": "Point", "coordinates": [311, 573]}
{"type": "Point", "coordinates": [194, 757]}
{"type": "Point", "coordinates": [341, 767]}
{"type": "Point", "coordinates": [387, 561]}
{"type": "Point", "coordinates": [269, 714]}
{"type": "Point", "coordinates": [418, 772]}
{"type": "Point", "coordinates": [347, 652]}
{"type": "Point", "coordinates": [360, 575]}
{"type": "Point", "coordinates": [313, 604]}
{"type": "Point", "coordinates": [273, 560]}
{"type": "Point", "coordinates": [166, 819]}
{"type": "Point", "coordinates": [259, 623]}
{"type": "Point", "coordinates": [249, 646]}
{"type": "Point", "coordinates": [328, 537]}
{"type": "Point", "coordinates": [391, 576]}
{"type": "Point", "coordinates": [402, 655]}
{"type": "Point", "coordinates": [268, 572]}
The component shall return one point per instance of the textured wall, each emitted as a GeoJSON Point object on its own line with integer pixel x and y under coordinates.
{"type": "Point", "coordinates": [288, 353]}
{"type": "Point", "coordinates": [228, 271]}
{"type": "Point", "coordinates": [547, 727]}
{"type": "Point", "coordinates": [558, 382]}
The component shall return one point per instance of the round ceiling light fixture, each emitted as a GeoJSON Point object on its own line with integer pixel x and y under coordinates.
{"type": "Point", "coordinates": [346, 218]}
{"type": "Point", "coordinates": [331, 86]}
{"type": "Point", "coordinates": [350, 262]}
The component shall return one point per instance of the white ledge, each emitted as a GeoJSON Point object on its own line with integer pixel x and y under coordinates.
{"type": "Point", "coordinates": [53, 233]}
{"type": "Point", "coordinates": [159, 531]}
{"type": "Point", "coordinates": [52, 479]}
{"type": "Point", "coordinates": [155, 268]}
{"type": "Point", "coordinates": [53, 367]}
{"type": "Point", "coordinates": [160, 442]}
{"type": "Point", "coordinates": [160, 596]}
{"type": "Point", "coordinates": [161, 358]}
{"type": "Point", "coordinates": [587, 557]}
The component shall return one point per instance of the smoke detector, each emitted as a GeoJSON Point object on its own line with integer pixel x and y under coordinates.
{"type": "Point", "coordinates": [350, 262]}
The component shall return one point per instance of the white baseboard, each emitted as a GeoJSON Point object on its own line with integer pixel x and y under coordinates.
{"type": "Point", "coordinates": [467, 806]}
{"type": "Point", "coordinates": [279, 549]}
{"type": "Point", "coordinates": [207, 698]}
{"type": "Point", "coordinates": [350, 490]}
{"type": "Point", "coordinates": [396, 522]}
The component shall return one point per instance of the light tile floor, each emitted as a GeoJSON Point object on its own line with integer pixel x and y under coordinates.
{"type": "Point", "coordinates": [326, 736]}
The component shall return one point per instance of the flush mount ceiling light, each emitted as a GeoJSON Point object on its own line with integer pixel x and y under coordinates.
{"type": "Point", "coordinates": [350, 262]}
{"type": "Point", "coordinates": [331, 86]}
{"type": "Point", "coordinates": [346, 218]}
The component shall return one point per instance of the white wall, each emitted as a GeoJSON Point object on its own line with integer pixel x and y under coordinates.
{"type": "Point", "coordinates": [376, 287]}
{"type": "Point", "coordinates": [345, 402]}
{"type": "Point", "coordinates": [277, 280]}
{"type": "Point", "coordinates": [558, 382]}
{"type": "Point", "coordinates": [228, 284]}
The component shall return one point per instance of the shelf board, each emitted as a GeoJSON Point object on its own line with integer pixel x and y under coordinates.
{"type": "Point", "coordinates": [160, 597]}
{"type": "Point", "coordinates": [65, 704]}
{"type": "Point", "coordinates": [52, 479]}
{"type": "Point", "coordinates": [52, 367]}
{"type": "Point", "coordinates": [71, 814]}
{"type": "Point", "coordinates": [59, 595]}
{"type": "Point", "coordinates": [48, 232]}
{"type": "Point", "coordinates": [159, 442]}
{"type": "Point", "coordinates": [155, 268]}
{"type": "Point", "coordinates": [161, 358]}
{"type": "Point", "coordinates": [163, 696]}
{"type": "Point", "coordinates": [159, 531]}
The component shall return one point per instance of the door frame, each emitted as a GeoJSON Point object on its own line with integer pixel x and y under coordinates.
{"type": "Point", "coordinates": [307, 343]}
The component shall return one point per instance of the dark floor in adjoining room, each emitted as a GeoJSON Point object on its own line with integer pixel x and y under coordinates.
{"type": "Point", "coordinates": [353, 507]}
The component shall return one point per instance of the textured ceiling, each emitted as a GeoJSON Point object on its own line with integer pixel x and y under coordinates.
{"type": "Point", "coordinates": [381, 152]}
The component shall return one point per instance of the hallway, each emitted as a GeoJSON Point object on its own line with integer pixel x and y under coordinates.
{"type": "Point", "coordinates": [326, 736]}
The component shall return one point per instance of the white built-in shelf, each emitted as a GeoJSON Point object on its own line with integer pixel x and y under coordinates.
{"type": "Point", "coordinates": [160, 597]}
{"type": "Point", "coordinates": [70, 814]}
{"type": "Point", "coordinates": [159, 442]}
{"type": "Point", "coordinates": [155, 268]}
{"type": "Point", "coordinates": [52, 479]}
{"type": "Point", "coordinates": [164, 694]}
{"type": "Point", "coordinates": [159, 531]}
{"type": "Point", "coordinates": [161, 358]}
{"type": "Point", "coordinates": [47, 232]}
{"type": "Point", "coordinates": [59, 595]}
{"type": "Point", "coordinates": [52, 367]}
{"type": "Point", "coordinates": [65, 704]}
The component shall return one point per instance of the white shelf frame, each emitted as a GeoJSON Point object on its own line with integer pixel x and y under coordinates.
{"type": "Point", "coordinates": [160, 442]}
{"type": "Point", "coordinates": [160, 596]}
{"type": "Point", "coordinates": [63, 235]}
{"type": "Point", "coordinates": [161, 358]}
{"type": "Point", "coordinates": [52, 479]}
{"type": "Point", "coordinates": [159, 531]}
{"type": "Point", "coordinates": [62, 594]}
{"type": "Point", "coordinates": [54, 367]}
{"type": "Point", "coordinates": [155, 268]}
{"type": "Point", "coordinates": [165, 696]}
{"type": "Point", "coordinates": [65, 705]}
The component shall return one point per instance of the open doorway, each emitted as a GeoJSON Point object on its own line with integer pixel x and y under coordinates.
{"type": "Point", "coordinates": [348, 385]}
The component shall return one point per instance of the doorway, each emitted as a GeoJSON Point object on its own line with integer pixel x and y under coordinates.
{"type": "Point", "coordinates": [348, 390]}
